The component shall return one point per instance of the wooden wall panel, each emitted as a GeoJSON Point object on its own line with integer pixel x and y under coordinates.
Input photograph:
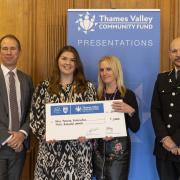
{"type": "Point", "coordinates": [99, 4]}
{"type": "Point", "coordinates": [50, 34]}
{"type": "Point", "coordinates": [15, 18]}
{"type": "Point", "coordinates": [170, 29]}
{"type": "Point", "coordinates": [133, 4]}
{"type": "Point", "coordinates": [176, 18]}
{"type": "Point", "coordinates": [166, 32]}
{"type": "Point", "coordinates": [80, 4]}
{"type": "Point", "coordinates": [41, 26]}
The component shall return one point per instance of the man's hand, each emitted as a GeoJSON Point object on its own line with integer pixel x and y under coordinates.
{"type": "Point", "coordinates": [17, 139]}
{"type": "Point", "coordinates": [178, 151]}
{"type": "Point", "coordinates": [174, 151]}
{"type": "Point", "coordinates": [19, 149]}
{"type": "Point", "coordinates": [168, 143]}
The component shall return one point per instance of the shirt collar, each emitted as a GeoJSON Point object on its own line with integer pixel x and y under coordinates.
{"type": "Point", "coordinates": [5, 70]}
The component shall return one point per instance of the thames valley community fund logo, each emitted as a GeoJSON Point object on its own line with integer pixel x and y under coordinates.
{"type": "Point", "coordinates": [86, 22]}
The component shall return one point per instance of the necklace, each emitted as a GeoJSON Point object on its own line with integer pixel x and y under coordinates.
{"type": "Point", "coordinates": [110, 96]}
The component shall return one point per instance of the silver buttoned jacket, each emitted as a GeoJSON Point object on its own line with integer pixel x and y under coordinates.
{"type": "Point", "coordinates": [165, 113]}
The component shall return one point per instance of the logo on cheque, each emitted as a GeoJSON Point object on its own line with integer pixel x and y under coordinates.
{"type": "Point", "coordinates": [65, 109]}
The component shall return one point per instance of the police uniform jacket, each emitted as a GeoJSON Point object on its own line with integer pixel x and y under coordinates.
{"type": "Point", "coordinates": [165, 112]}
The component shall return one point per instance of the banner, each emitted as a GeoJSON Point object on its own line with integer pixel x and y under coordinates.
{"type": "Point", "coordinates": [134, 37]}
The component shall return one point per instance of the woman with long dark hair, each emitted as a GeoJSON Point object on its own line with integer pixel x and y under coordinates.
{"type": "Point", "coordinates": [69, 159]}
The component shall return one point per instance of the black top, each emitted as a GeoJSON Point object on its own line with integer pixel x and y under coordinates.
{"type": "Point", "coordinates": [131, 122]}
{"type": "Point", "coordinates": [116, 147]}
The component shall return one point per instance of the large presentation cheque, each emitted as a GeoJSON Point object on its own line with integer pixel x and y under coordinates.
{"type": "Point", "coordinates": [95, 119]}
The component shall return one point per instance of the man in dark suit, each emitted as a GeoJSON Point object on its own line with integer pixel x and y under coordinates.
{"type": "Point", "coordinates": [14, 123]}
{"type": "Point", "coordinates": [165, 112]}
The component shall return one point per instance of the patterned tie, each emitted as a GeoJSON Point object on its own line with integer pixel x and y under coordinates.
{"type": "Point", "coordinates": [13, 103]}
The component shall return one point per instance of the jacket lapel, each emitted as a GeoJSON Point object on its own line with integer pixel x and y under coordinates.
{"type": "Point", "coordinates": [3, 91]}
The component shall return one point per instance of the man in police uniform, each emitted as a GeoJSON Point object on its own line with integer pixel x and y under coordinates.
{"type": "Point", "coordinates": [165, 112]}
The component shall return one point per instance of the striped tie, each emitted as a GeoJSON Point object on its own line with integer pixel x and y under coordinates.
{"type": "Point", "coordinates": [13, 103]}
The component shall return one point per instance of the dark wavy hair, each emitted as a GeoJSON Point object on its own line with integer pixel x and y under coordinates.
{"type": "Point", "coordinates": [79, 80]}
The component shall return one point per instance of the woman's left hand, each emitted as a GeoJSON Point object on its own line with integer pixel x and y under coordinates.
{"type": "Point", "coordinates": [120, 106]}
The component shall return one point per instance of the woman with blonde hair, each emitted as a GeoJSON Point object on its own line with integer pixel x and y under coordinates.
{"type": "Point", "coordinates": [112, 155]}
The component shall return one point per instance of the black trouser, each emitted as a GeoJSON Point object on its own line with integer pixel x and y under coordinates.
{"type": "Point", "coordinates": [11, 163]}
{"type": "Point", "coordinates": [116, 170]}
{"type": "Point", "coordinates": [168, 170]}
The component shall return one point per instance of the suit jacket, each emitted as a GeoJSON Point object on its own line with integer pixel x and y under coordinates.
{"type": "Point", "coordinates": [26, 87]}
{"type": "Point", "coordinates": [165, 112]}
